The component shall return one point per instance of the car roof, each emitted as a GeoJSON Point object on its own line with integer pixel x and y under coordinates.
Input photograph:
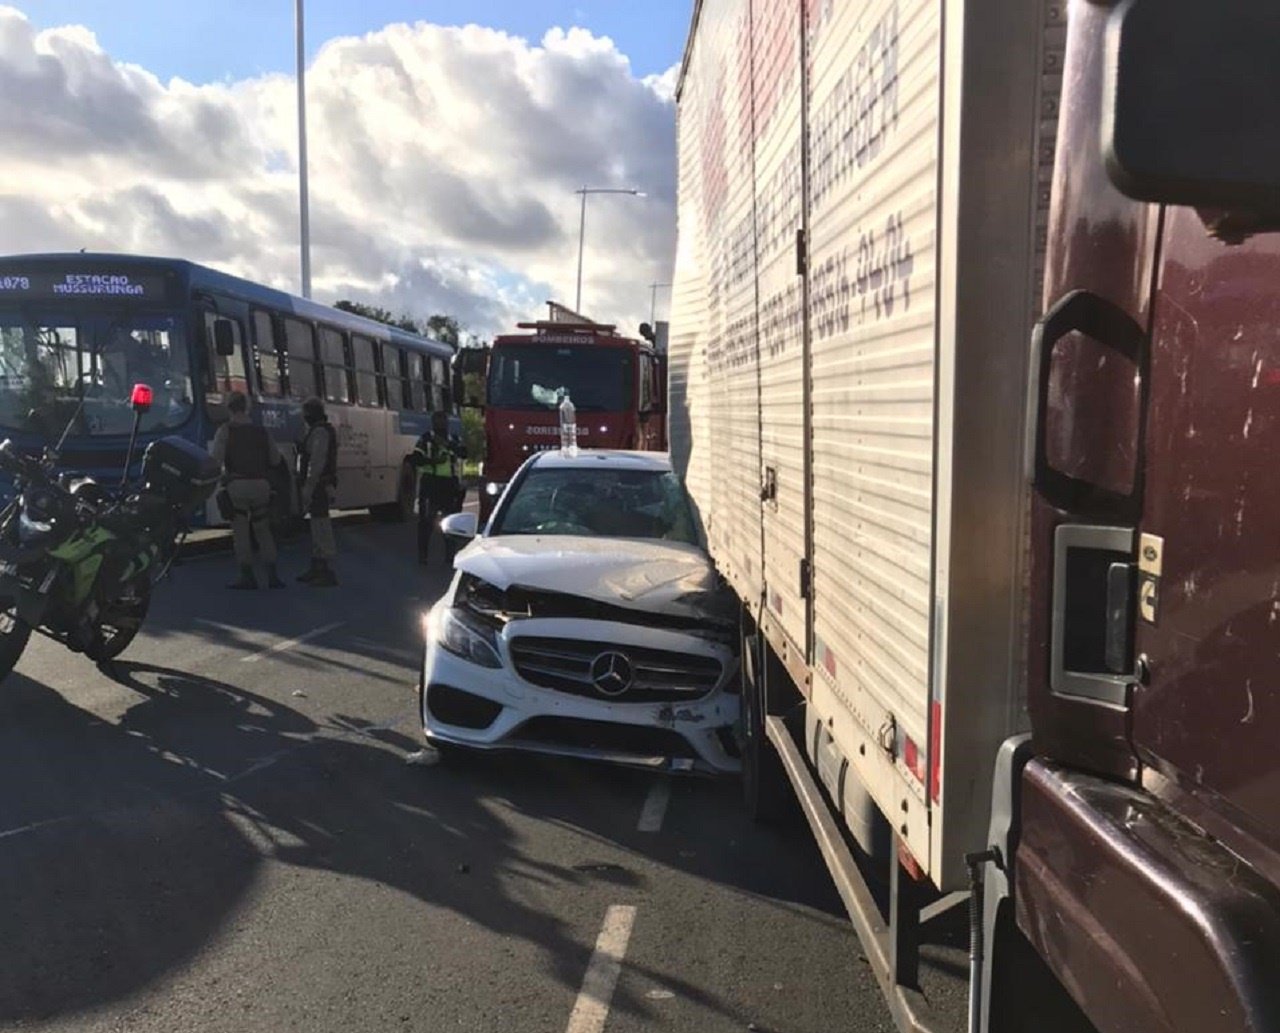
{"type": "Point", "coordinates": [602, 458]}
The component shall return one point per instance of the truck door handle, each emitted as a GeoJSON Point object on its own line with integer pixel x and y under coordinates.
{"type": "Point", "coordinates": [1108, 324]}
{"type": "Point", "coordinates": [1091, 629]}
{"type": "Point", "coordinates": [1121, 594]}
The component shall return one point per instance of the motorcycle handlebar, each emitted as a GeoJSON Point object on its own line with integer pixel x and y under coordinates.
{"type": "Point", "coordinates": [16, 463]}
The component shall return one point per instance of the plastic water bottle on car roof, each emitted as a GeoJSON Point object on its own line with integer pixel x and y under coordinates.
{"type": "Point", "coordinates": [568, 426]}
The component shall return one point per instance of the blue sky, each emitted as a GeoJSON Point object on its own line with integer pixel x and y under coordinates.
{"type": "Point", "coordinates": [437, 223]}
{"type": "Point", "coordinates": [210, 40]}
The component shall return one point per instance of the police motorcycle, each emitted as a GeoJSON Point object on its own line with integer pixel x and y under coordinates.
{"type": "Point", "coordinates": [79, 560]}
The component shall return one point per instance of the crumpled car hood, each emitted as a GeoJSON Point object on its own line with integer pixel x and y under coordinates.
{"type": "Point", "coordinates": [653, 576]}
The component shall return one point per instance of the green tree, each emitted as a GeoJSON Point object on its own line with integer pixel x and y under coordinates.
{"type": "Point", "coordinates": [444, 328]}
{"type": "Point", "coordinates": [380, 315]}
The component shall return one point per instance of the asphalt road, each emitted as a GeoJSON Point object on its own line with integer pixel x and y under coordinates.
{"type": "Point", "coordinates": [221, 832]}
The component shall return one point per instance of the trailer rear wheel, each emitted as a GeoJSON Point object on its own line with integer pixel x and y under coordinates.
{"type": "Point", "coordinates": [765, 788]}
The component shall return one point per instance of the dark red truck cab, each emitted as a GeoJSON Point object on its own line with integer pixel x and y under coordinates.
{"type": "Point", "coordinates": [1139, 841]}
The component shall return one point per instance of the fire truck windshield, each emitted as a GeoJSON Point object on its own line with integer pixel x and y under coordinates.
{"type": "Point", "coordinates": [597, 379]}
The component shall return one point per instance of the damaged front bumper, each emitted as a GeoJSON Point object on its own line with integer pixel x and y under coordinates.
{"type": "Point", "coordinates": [604, 690]}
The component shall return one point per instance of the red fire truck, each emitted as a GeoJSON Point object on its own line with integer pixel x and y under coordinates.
{"type": "Point", "coordinates": [617, 385]}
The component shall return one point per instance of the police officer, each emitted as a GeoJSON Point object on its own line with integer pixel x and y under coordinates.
{"type": "Point", "coordinates": [434, 458]}
{"type": "Point", "coordinates": [247, 455]}
{"type": "Point", "coordinates": [318, 472]}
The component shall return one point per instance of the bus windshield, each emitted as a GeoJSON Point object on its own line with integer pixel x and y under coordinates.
{"type": "Point", "coordinates": [51, 357]}
{"type": "Point", "coordinates": [534, 377]}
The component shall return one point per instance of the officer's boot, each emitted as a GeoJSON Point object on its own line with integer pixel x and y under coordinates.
{"type": "Point", "coordinates": [246, 578]}
{"type": "Point", "coordinates": [324, 577]}
{"type": "Point", "coordinates": [309, 575]}
{"type": "Point", "coordinates": [273, 577]}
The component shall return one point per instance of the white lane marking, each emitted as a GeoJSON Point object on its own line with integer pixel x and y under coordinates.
{"type": "Point", "coordinates": [592, 1007]}
{"type": "Point", "coordinates": [37, 825]}
{"type": "Point", "coordinates": [655, 806]}
{"type": "Point", "coordinates": [289, 643]}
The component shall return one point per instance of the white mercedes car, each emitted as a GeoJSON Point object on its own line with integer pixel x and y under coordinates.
{"type": "Point", "coordinates": [586, 620]}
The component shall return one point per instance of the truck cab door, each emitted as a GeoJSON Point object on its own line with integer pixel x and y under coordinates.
{"type": "Point", "coordinates": [1208, 619]}
{"type": "Point", "coordinates": [1091, 380]}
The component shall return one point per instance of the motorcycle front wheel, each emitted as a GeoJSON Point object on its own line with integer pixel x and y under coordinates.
{"type": "Point", "coordinates": [14, 635]}
{"type": "Point", "coordinates": [119, 624]}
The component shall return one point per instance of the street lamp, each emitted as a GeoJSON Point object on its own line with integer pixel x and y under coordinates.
{"type": "Point", "coordinates": [582, 226]}
{"type": "Point", "coordinates": [303, 203]}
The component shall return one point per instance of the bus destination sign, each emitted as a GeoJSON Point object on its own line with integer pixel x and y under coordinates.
{"type": "Point", "coordinates": [45, 286]}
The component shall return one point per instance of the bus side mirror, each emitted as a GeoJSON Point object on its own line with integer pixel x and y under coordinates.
{"type": "Point", "coordinates": [1191, 103]}
{"type": "Point", "coordinates": [224, 338]}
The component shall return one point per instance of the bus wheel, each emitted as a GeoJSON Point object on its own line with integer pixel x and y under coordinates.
{"type": "Point", "coordinates": [400, 511]}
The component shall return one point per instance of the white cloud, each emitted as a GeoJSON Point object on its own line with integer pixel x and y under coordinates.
{"type": "Point", "coordinates": [443, 164]}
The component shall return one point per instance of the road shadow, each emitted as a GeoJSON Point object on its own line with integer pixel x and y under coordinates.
{"type": "Point", "coordinates": [126, 846]}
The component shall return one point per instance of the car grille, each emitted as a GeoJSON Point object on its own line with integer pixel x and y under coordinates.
{"type": "Point", "coordinates": [620, 673]}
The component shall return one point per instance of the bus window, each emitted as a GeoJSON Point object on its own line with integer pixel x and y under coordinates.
{"type": "Point", "coordinates": [439, 386]}
{"type": "Point", "coordinates": [266, 355]}
{"type": "Point", "coordinates": [333, 353]}
{"type": "Point", "coordinates": [418, 383]}
{"type": "Point", "coordinates": [225, 372]}
{"type": "Point", "coordinates": [300, 358]}
{"type": "Point", "coordinates": [392, 372]}
{"type": "Point", "coordinates": [366, 370]}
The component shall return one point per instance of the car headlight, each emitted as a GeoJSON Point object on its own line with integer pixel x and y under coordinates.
{"type": "Point", "coordinates": [492, 489]}
{"type": "Point", "coordinates": [465, 637]}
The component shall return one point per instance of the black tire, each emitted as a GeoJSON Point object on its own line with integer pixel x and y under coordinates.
{"type": "Point", "coordinates": [121, 621]}
{"type": "Point", "coordinates": [765, 788]}
{"type": "Point", "coordinates": [15, 633]}
{"type": "Point", "coordinates": [400, 511]}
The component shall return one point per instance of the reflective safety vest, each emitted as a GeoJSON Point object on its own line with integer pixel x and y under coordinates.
{"type": "Point", "coordinates": [431, 458]}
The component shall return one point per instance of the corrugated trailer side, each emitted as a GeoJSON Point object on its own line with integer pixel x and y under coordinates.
{"type": "Point", "coordinates": [687, 402]}
{"type": "Point", "coordinates": [898, 149]}
{"type": "Point", "coordinates": [873, 216]}
{"type": "Point", "coordinates": [778, 135]}
{"type": "Point", "coordinates": [729, 196]}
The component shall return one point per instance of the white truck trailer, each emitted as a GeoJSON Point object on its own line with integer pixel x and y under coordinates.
{"type": "Point", "coordinates": [972, 303]}
{"type": "Point", "coordinates": [863, 195]}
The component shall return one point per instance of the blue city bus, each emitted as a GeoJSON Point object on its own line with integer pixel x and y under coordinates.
{"type": "Point", "coordinates": [78, 330]}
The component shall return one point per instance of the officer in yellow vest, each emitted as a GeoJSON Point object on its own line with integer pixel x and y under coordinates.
{"type": "Point", "coordinates": [433, 457]}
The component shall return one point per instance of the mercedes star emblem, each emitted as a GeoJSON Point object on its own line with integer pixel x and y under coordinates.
{"type": "Point", "coordinates": [611, 673]}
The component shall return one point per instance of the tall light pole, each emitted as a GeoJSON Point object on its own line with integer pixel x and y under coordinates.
{"type": "Point", "coordinates": [303, 203]}
{"type": "Point", "coordinates": [653, 300]}
{"type": "Point", "coordinates": [582, 227]}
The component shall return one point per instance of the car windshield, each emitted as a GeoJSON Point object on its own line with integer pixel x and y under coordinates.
{"type": "Point", "coordinates": [604, 502]}
{"type": "Point", "coordinates": [50, 357]}
{"type": "Point", "coordinates": [596, 378]}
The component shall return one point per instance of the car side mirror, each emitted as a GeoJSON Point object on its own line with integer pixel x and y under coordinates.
{"type": "Point", "coordinates": [1191, 103]}
{"type": "Point", "coordinates": [224, 338]}
{"type": "Point", "coordinates": [461, 527]}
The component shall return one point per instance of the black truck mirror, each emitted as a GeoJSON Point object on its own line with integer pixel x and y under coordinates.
{"type": "Point", "coordinates": [1191, 103]}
